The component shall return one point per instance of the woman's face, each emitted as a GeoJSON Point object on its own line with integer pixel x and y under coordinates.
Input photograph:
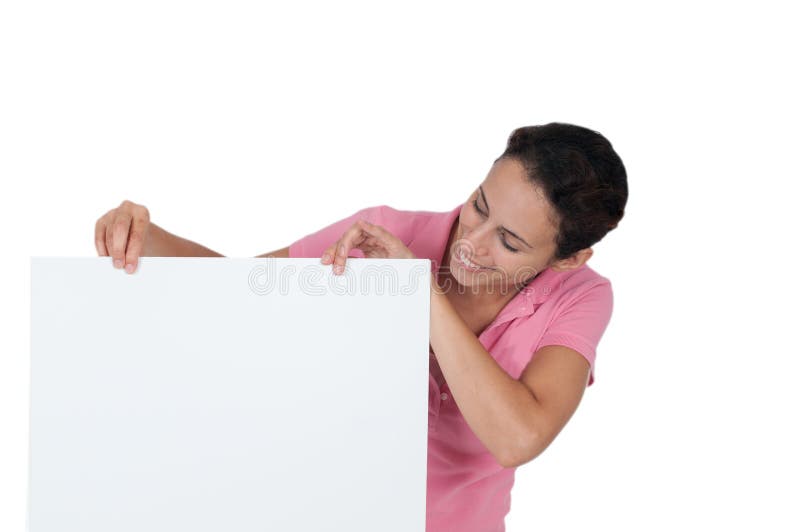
{"type": "Point", "coordinates": [507, 227]}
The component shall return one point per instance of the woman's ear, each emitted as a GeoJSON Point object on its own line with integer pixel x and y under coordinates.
{"type": "Point", "coordinates": [575, 261]}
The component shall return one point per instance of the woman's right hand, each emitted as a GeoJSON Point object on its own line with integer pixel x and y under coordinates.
{"type": "Point", "coordinates": [121, 234]}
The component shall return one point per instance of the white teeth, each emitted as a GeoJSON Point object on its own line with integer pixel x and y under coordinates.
{"type": "Point", "coordinates": [469, 263]}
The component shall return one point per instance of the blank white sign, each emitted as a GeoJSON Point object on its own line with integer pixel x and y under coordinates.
{"type": "Point", "coordinates": [220, 394]}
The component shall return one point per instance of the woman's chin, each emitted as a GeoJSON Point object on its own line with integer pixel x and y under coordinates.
{"type": "Point", "coordinates": [471, 278]}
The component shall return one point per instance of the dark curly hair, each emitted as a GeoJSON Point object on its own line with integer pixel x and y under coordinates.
{"type": "Point", "coordinates": [580, 174]}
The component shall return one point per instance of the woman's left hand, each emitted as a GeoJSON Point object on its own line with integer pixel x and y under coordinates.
{"type": "Point", "coordinates": [375, 241]}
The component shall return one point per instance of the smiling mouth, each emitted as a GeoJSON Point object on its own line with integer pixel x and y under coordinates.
{"type": "Point", "coordinates": [468, 263]}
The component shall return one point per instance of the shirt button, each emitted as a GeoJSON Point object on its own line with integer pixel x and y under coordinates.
{"type": "Point", "coordinates": [444, 397]}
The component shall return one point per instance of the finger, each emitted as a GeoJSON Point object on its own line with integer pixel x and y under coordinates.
{"type": "Point", "coordinates": [374, 230]}
{"type": "Point", "coordinates": [340, 256]}
{"type": "Point", "coordinates": [100, 237]}
{"type": "Point", "coordinates": [109, 238]}
{"type": "Point", "coordinates": [351, 238]}
{"type": "Point", "coordinates": [119, 239]}
{"type": "Point", "coordinates": [376, 236]}
{"type": "Point", "coordinates": [327, 255]}
{"type": "Point", "coordinates": [379, 235]}
{"type": "Point", "coordinates": [135, 243]}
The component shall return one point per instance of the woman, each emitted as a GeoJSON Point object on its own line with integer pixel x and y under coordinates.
{"type": "Point", "coordinates": [516, 314]}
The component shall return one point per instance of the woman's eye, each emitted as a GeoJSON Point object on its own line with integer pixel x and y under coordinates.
{"type": "Point", "coordinates": [513, 250]}
{"type": "Point", "coordinates": [505, 245]}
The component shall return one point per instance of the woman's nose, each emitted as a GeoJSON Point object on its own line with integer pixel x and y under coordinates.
{"type": "Point", "coordinates": [476, 243]}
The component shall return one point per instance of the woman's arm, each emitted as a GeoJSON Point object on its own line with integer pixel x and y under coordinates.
{"type": "Point", "coordinates": [513, 421]}
{"type": "Point", "coordinates": [162, 243]}
{"type": "Point", "coordinates": [498, 408]}
{"type": "Point", "coordinates": [282, 253]}
{"type": "Point", "coordinates": [125, 233]}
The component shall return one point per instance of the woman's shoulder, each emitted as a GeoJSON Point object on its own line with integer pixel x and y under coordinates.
{"type": "Point", "coordinates": [406, 224]}
{"type": "Point", "coordinates": [588, 275]}
{"type": "Point", "coordinates": [389, 212]}
{"type": "Point", "coordinates": [569, 286]}
{"type": "Point", "coordinates": [403, 223]}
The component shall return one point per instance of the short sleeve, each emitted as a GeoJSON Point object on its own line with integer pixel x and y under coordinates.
{"type": "Point", "coordinates": [312, 245]}
{"type": "Point", "coordinates": [582, 323]}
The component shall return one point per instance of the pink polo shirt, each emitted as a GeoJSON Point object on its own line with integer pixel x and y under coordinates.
{"type": "Point", "coordinates": [467, 490]}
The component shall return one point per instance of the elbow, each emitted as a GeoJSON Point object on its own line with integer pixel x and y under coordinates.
{"type": "Point", "coordinates": [526, 450]}
{"type": "Point", "coordinates": [508, 464]}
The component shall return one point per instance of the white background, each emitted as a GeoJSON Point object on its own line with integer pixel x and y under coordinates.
{"type": "Point", "coordinates": [244, 126]}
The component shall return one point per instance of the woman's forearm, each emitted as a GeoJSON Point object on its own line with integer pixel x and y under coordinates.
{"type": "Point", "coordinates": [162, 243]}
{"type": "Point", "coordinates": [497, 407]}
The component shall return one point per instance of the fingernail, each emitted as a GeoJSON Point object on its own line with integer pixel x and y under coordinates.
{"type": "Point", "coordinates": [129, 268]}
{"type": "Point", "coordinates": [338, 268]}
{"type": "Point", "coordinates": [117, 263]}
{"type": "Point", "coordinates": [326, 257]}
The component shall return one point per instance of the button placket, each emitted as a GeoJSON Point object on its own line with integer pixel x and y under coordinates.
{"type": "Point", "coordinates": [434, 403]}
